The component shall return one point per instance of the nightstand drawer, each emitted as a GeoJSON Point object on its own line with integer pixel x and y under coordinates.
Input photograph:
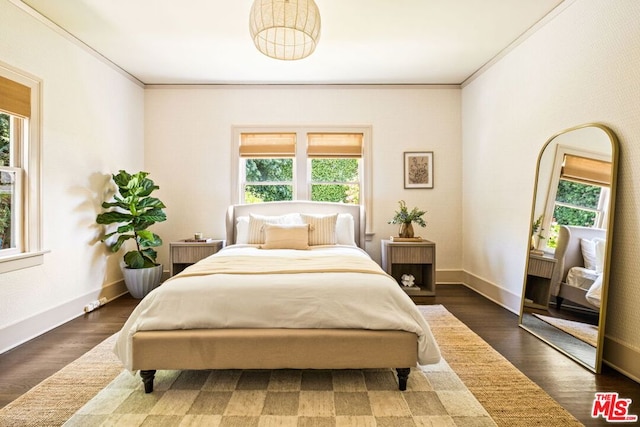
{"type": "Point", "coordinates": [541, 267]}
{"type": "Point", "coordinates": [192, 253]}
{"type": "Point", "coordinates": [411, 254]}
{"type": "Point", "coordinates": [185, 253]}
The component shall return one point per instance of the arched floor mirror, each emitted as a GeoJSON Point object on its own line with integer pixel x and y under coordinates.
{"type": "Point", "coordinates": [564, 295]}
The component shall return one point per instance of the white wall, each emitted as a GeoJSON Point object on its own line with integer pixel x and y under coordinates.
{"type": "Point", "coordinates": [188, 150]}
{"type": "Point", "coordinates": [581, 67]}
{"type": "Point", "coordinates": [92, 125]}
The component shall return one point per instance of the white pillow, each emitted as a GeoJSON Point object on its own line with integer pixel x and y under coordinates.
{"type": "Point", "coordinates": [345, 230]}
{"type": "Point", "coordinates": [588, 253]}
{"type": "Point", "coordinates": [242, 230]}
{"type": "Point", "coordinates": [593, 252]}
{"type": "Point", "coordinates": [601, 248]}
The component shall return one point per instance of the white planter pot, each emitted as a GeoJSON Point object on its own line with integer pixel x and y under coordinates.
{"type": "Point", "coordinates": [141, 281]}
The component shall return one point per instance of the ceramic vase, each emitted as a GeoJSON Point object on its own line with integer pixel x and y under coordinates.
{"type": "Point", "coordinates": [406, 230]}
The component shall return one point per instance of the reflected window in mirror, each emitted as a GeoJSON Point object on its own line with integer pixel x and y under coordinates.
{"type": "Point", "coordinates": [578, 195]}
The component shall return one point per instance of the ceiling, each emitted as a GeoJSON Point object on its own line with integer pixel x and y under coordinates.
{"type": "Point", "coordinates": [361, 42]}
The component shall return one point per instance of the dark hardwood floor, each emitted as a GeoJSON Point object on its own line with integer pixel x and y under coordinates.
{"type": "Point", "coordinates": [567, 382]}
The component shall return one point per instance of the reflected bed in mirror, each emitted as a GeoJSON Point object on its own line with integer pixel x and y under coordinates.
{"type": "Point", "coordinates": [567, 270]}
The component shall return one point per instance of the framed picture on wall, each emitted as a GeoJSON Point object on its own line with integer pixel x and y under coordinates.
{"type": "Point", "coordinates": [418, 169]}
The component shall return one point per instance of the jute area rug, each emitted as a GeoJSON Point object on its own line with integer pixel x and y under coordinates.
{"type": "Point", "coordinates": [473, 386]}
{"type": "Point", "coordinates": [583, 331]}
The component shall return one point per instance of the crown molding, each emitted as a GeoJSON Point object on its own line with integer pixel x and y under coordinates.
{"type": "Point", "coordinates": [73, 39]}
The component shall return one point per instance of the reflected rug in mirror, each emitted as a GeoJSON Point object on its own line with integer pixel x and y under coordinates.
{"type": "Point", "coordinates": [473, 385]}
{"type": "Point", "coordinates": [583, 331]}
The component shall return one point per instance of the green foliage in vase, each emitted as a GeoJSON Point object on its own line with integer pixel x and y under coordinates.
{"type": "Point", "coordinates": [536, 227]}
{"type": "Point", "coordinates": [406, 216]}
{"type": "Point", "coordinates": [135, 209]}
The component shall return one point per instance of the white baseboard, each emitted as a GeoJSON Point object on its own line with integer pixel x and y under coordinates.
{"type": "Point", "coordinates": [493, 292]}
{"type": "Point", "coordinates": [622, 358]}
{"type": "Point", "coordinates": [449, 277]}
{"type": "Point", "coordinates": [20, 332]}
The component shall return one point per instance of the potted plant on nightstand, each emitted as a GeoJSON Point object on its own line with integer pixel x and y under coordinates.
{"type": "Point", "coordinates": [135, 210]}
{"type": "Point", "coordinates": [406, 218]}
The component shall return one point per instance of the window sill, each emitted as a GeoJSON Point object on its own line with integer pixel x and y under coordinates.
{"type": "Point", "coordinates": [20, 261]}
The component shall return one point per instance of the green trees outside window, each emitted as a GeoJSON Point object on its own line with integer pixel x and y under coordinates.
{"type": "Point", "coordinates": [332, 180]}
{"type": "Point", "coordinates": [335, 180]}
{"type": "Point", "coordinates": [577, 204]}
{"type": "Point", "coordinates": [268, 180]}
{"type": "Point", "coordinates": [6, 191]}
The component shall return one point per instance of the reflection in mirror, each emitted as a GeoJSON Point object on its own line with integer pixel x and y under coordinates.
{"type": "Point", "coordinates": [567, 269]}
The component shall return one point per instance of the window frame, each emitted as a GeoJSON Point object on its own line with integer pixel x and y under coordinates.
{"type": "Point", "coordinates": [29, 161]}
{"type": "Point", "coordinates": [302, 164]}
{"type": "Point", "coordinates": [17, 224]}
{"type": "Point", "coordinates": [602, 212]}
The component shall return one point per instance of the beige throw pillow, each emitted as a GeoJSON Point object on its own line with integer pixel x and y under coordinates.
{"type": "Point", "coordinates": [257, 222]}
{"type": "Point", "coordinates": [323, 228]}
{"type": "Point", "coordinates": [289, 236]}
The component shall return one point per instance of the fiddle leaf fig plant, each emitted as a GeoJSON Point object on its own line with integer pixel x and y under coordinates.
{"type": "Point", "coordinates": [136, 210]}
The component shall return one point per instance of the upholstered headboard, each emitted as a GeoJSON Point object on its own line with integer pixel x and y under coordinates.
{"type": "Point", "coordinates": [300, 206]}
{"type": "Point", "coordinates": [569, 252]}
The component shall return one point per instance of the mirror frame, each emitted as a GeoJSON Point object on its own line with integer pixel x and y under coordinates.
{"type": "Point", "coordinates": [613, 139]}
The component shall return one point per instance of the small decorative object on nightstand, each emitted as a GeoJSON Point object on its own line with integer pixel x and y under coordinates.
{"type": "Point", "coordinates": [189, 251]}
{"type": "Point", "coordinates": [407, 260]}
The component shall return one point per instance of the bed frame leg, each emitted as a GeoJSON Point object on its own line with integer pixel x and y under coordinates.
{"type": "Point", "coordinates": [403, 376]}
{"type": "Point", "coordinates": [147, 380]}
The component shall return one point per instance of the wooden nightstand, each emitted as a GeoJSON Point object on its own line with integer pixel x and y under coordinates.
{"type": "Point", "coordinates": [184, 254]}
{"type": "Point", "coordinates": [417, 258]}
{"type": "Point", "coordinates": [538, 288]}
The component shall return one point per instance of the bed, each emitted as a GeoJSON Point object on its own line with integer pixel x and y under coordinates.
{"type": "Point", "coordinates": [274, 305]}
{"type": "Point", "coordinates": [578, 273]}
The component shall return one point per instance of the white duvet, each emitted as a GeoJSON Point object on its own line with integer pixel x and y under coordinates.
{"type": "Point", "coordinates": [594, 294]}
{"type": "Point", "coordinates": [581, 277]}
{"type": "Point", "coordinates": [349, 300]}
{"type": "Point", "coordinates": [586, 279]}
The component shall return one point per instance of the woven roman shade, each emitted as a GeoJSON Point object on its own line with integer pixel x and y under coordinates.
{"type": "Point", "coordinates": [586, 170]}
{"type": "Point", "coordinates": [15, 98]}
{"type": "Point", "coordinates": [334, 145]}
{"type": "Point", "coordinates": [268, 145]}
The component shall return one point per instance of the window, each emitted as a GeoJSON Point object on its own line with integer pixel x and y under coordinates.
{"type": "Point", "coordinates": [295, 163]}
{"type": "Point", "coordinates": [579, 204]}
{"type": "Point", "coordinates": [19, 171]}
{"type": "Point", "coordinates": [334, 162]}
{"type": "Point", "coordinates": [267, 166]}
{"type": "Point", "coordinates": [581, 197]}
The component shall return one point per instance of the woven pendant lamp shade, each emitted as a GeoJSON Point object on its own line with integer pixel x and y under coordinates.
{"type": "Point", "coordinates": [285, 29]}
